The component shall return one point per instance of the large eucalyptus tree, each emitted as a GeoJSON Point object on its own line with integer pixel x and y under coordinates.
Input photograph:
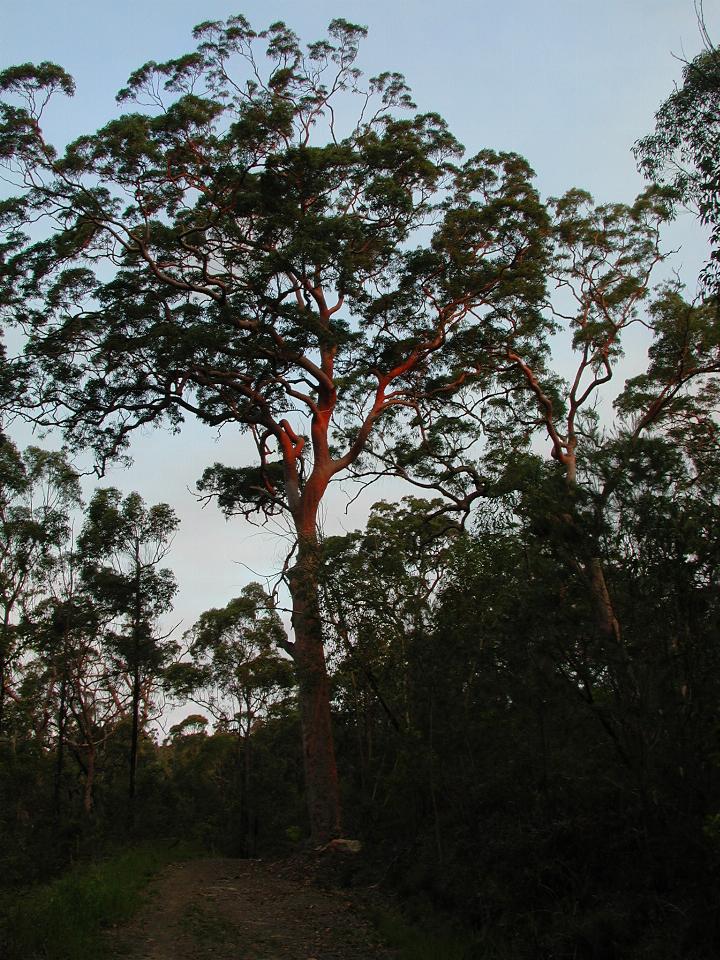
{"type": "Point", "coordinates": [265, 241]}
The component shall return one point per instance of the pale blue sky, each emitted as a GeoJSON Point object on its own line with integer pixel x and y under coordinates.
{"type": "Point", "coordinates": [571, 84]}
{"type": "Point", "coordinates": [568, 83]}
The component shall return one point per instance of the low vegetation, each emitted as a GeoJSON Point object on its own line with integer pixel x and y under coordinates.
{"type": "Point", "coordinates": [65, 919]}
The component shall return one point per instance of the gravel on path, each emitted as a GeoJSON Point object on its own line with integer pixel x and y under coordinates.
{"type": "Point", "coordinates": [223, 909]}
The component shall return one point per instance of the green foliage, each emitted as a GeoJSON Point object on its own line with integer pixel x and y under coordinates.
{"type": "Point", "coordinates": [38, 490]}
{"type": "Point", "coordinates": [684, 150]}
{"type": "Point", "coordinates": [242, 490]}
{"type": "Point", "coordinates": [412, 942]}
{"type": "Point", "coordinates": [234, 669]}
{"type": "Point", "coordinates": [525, 709]}
{"type": "Point", "coordinates": [233, 248]}
{"type": "Point", "coordinates": [527, 785]}
{"type": "Point", "coordinates": [65, 919]}
{"type": "Point", "coordinates": [310, 232]}
{"type": "Point", "coordinates": [121, 545]}
{"type": "Point", "coordinates": [206, 791]}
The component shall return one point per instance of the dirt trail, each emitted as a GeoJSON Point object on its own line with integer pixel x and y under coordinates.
{"type": "Point", "coordinates": [244, 910]}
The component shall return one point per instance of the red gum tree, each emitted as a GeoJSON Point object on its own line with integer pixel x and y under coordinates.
{"type": "Point", "coordinates": [237, 250]}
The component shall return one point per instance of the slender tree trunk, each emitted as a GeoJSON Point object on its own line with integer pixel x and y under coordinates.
{"type": "Point", "coordinates": [247, 828]}
{"type": "Point", "coordinates": [610, 629]}
{"type": "Point", "coordinates": [134, 740]}
{"type": "Point", "coordinates": [89, 788]}
{"type": "Point", "coordinates": [134, 733]}
{"type": "Point", "coordinates": [607, 622]}
{"type": "Point", "coordinates": [60, 756]}
{"type": "Point", "coordinates": [239, 775]}
{"type": "Point", "coordinates": [4, 653]}
{"type": "Point", "coordinates": [2, 692]}
{"type": "Point", "coordinates": [433, 788]}
{"type": "Point", "coordinates": [321, 781]}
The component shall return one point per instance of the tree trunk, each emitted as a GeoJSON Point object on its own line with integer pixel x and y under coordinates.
{"type": "Point", "coordinates": [607, 622]}
{"type": "Point", "coordinates": [60, 755]}
{"type": "Point", "coordinates": [137, 615]}
{"type": "Point", "coordinates": [247, 810]}
{"type": "Point", "coordinates": [134, 734]}
{"type": "Point", "coordinates": [2, 692]}
{"type": "Point", "coordinates": [89, 788]}
{"type": "Point", "coordinates": [321, 782]}
{"type": "Point", "coordinates": [4, 657]}
{"type": "Point", "coordinates": [610, 630]}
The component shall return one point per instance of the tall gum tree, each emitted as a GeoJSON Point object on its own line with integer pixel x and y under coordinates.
{"type": "Point", "coordinates": [235, 249]}
{"type": "Point", "coordinates": [602, 263]}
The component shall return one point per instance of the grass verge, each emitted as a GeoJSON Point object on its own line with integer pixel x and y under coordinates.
{"type": "Point", "coordinates": [415, 943]}
{"type": "Point", "coordinates": [65, 919]}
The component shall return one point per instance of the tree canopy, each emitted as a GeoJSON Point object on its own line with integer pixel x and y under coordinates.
{"type": "Point", "coordinates": [238, 249]}
{"type": "Point", "coordinates": [684, 149]}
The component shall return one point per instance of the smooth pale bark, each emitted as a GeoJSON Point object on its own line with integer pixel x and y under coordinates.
{"type": "Point", "coordinates": [607, 622]}
{"type": "Point", "coordinates": [60, 754]}
{"type": "Point", "coordinates": [609, 628]}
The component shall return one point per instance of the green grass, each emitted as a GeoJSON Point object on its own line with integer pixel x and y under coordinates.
{"type": "Point", "coordinates": [65, 919]}
{"type": "Point", "coordinates": [414, 943]}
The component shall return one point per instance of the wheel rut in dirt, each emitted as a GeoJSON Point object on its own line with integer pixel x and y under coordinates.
{"type": "Point", "coordinates": [223, 909]}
